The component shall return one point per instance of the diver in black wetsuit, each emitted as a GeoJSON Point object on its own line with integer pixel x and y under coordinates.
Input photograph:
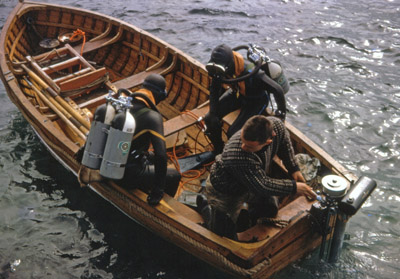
{"type": "Point", "coordinates": [251, 95]}
{"type": "Point", "coordinates": [117, 146]}
{"type": "Point", "coordinates": [144, 168]}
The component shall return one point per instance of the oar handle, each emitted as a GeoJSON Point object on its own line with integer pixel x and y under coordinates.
{"type": "Point", "coordinates": [56, 110]}
{"type": "Point", "coordinates": [57, 97]}
{"type": "Point", "coordinates": [43, 84]}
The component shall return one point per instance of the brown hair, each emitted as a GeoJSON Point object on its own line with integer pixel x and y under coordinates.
{"type": "Point", "coordinates": [257, 128]}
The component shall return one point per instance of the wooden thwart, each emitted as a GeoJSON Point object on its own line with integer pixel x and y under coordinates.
{"type": "Point", "coordinates": [136, 80]}
{"type": "Point", "coordinates": [161, 67]}
{"type": "Point", "coordinates": [184, 121]}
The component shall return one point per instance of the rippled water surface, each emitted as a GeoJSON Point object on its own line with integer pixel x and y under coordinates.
{"type": "Point", "coordinates": [342, 60]}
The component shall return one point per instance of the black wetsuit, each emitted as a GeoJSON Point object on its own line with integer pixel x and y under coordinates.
{"type": "Point", "coordinates": [144, 169]}
{"type": "Point", "coordinates": [255, 100]}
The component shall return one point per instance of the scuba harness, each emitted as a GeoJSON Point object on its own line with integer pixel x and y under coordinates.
{"type": "Point", "coordinates": [226, 62]}
{"type": "Point", "coordinates": [113, 129]}
{"type": "Point", "coordinates": [258, 57]}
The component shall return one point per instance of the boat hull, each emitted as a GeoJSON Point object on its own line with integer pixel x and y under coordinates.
{"type": "Point", "coordinates": [129, 54]}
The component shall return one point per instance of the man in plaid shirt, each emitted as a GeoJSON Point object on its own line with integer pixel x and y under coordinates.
{"type": "Point", "coordinates": [241, 174]}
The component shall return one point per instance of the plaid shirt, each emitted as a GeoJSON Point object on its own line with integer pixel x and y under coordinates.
{"type": "Point", "coordinates": [236, 171]}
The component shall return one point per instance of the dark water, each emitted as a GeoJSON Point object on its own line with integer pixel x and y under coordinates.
{"type": "Point", "coordinates": [342, 60]}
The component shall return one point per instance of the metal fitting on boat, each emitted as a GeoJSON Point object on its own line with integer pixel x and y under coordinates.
{"type": "Point", "coordinates": [357, 195]}
{"type": "Point", "coordinates": [334, 186]}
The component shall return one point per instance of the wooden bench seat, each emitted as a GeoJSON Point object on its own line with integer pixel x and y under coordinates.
{"type": "Point", "coordinates": [184, 121]}
{"type": "Point", "coordinates": [137, 79]}
{"type": "Point", "coordinates": [127, 83]}
{"type": "Point", "coordinates": [160, 67]}
{"type": "Point", "coordinates": [93, 45]}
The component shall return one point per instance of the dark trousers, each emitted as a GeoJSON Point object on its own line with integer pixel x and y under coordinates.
{"type": "Point", "coordinates": [229, 102]}
{"type": "Point", "coordinates": [231, 205]}
{"type": "Point", "coordinates": [143, 177]}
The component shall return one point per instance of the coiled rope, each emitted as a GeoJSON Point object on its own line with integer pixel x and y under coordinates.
{"type": "Point", "coordinates": [281, 223]}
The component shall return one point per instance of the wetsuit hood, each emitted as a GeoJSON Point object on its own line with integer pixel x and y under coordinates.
{"type": "Point", "coordinates": [221, 62]}
{"type": "Point", "coordinates": [156, 84]}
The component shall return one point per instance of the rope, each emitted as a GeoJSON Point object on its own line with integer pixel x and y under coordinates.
{"type": "Point", "coordinates": [189, 174]}
{"type": "Point", "coordinates": [280, 223]}
{"type": "Point", "coordinates": [79, 32]}
{"type": "Point", "coordinates": [48, 54]}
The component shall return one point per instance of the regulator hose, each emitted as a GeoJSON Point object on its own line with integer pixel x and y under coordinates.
{"type": "Point", "coordinates": [246, 47]}
{"type": "Point", "coordinates": [258, 66]}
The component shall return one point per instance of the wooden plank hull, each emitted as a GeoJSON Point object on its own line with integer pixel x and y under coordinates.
{"type": "Point", "coordinates": [129, 54]}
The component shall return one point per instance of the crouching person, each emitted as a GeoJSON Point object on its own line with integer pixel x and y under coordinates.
{"type": "Point", "coordinates": [143, 169]}
{"type": "Point", "coordinates": [240, 176]}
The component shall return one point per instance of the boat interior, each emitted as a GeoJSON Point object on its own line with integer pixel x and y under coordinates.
{"type": "Point", "coordinates": [86, 64]}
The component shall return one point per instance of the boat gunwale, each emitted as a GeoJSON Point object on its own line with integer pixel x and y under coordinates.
{"type": "Point", "coordinates": [47, 131]}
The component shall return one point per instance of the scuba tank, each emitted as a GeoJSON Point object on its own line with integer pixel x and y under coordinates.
{"type": "Point", "coordinates": [257, 55]}
{"type": "Point", "coordinates": [97, 138]}
{"type": "Point", "coordinates": [120, 136]}
{"type": "Point", "coordinates": [108, 144]}
{"type": "Point", "coordinates": [118, 144]}
{"type": "Point", "coordinates": [275, 71]}
{"type": "Point", "coordinates": [272, 68]}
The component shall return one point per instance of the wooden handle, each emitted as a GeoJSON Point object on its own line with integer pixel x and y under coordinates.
{"type": "Point", "coordinates": [57, 97]}
{"type": "Point", "coordinates": [57, 111]}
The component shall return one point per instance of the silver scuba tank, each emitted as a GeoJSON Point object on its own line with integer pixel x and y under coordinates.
{"type": "Point", "coordinates": [273, 68]}
{"type": "Point", "coordinates": [276, 73]}
{"type": "Point", "coordinates": [118, 145]}
{"type": "Point", "coordinates": [97, 138]}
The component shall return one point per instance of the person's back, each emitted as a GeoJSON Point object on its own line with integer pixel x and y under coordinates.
{"type": "Point", "coordinates": [140, 168]}
{"type": "Point", "coordinates": [148, 123]}
{"type": "Point", "coordinates": [145, 168]}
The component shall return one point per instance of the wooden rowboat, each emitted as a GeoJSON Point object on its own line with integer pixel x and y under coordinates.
{"type": "Point", "coordinates": [57, 84]}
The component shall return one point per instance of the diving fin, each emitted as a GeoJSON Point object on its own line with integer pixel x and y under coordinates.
{"type": "Point", "coordinates": [194, 161]}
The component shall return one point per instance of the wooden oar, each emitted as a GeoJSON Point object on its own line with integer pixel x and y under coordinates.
{"type": "Point", "coordinates": [56, 110]}
{"type": "Point", "coordinates": [32, 84]}
{"type": "Point", "coordinates": [57, 97]}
